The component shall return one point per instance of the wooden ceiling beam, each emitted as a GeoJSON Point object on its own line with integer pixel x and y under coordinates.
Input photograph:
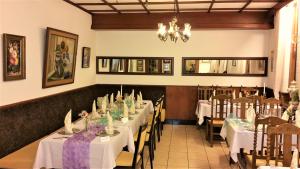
{"type": "Point", "coordinates": [245, 6]}
{"type": "Point", "coordinates": [111, 6]}
{"type": "Point", "coordinates": [172, 2]}
{"type": "Point", "coordinates": [277, 7]}
{"type": "Point", "coordinates": [211, 5]}
{"type": "Point", "coordinates": [177, 6]}
{"type": "Point", "coordinates": [183, 10]}
{"type": "Point", "coordinates": [78, 6]}
{"type": "Point", "coordinates": [144, 6]}
{"type": "Point", "coordinates": [216, 20]}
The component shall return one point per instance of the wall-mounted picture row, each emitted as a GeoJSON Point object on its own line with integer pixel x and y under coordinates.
{"type": "Point", "coordinates": [14, 57]}
{"type": "Point", "coordinates": [135, 65]}
{"type": "Point", "coordinates": [59, 59]}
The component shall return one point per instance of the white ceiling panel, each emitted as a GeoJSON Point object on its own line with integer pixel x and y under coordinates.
{"type": "Point", "coordinates": [116, 1]}
{"type": "Point", "coordinates": [189, 6]}
{"type": "Point", "coordinates": [120, 7]}
{"type": "Point", "coordinates": [163, 6]}
{"type": "Point", "coordinates": [228, 5]}
{"type": "Point", "coordinates": [96, 7]}
{"type": "Point", "coordinates": [261, 5]}
{"type": "Point", "coordinates": [224, 10]}
{"type": "Point", "coordinates": [86, 1]}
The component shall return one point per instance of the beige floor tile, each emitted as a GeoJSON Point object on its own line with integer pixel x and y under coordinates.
{"type": "Point", "coordinates": [197, 155]}
{"type": "Point", "coordinates": [155, 166]}
{"type": "Point", "coordinates": [178, 149]}
{"type": "Point", "coordinates": [178, 155]}
{"type": "Point", "coordinates": [199, 163]}
{"type": "Point", "coordinates": [173, 162]}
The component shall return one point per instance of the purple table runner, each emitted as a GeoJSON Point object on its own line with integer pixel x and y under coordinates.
{"type": "Point", "coordinates": [76, 149]}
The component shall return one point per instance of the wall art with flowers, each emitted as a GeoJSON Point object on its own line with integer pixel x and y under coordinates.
{"type": "Point", "coordinates": [14, 61]}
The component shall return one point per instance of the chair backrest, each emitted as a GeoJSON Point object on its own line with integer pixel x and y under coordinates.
{"type": "Point", "coordinates": [248, 91]}
{"type": "Point", "coordinates": [240, 105]}
{"type": "Point", "coordinates": [258, 100]}
{"type": "Point", "coordinates": [140, 143]}
{"type": "Point", "coordinates": [261, 126]}
{"type": "Point", "coordinates": [224, 90]}
{"type": "Point", "coordinates": [220, 106]}
{"type": "Point", "coordinates": [271, 106]}
{"type": "Point", "coordinates": [204, 92]}
{"type": "Point", "coordinates": [290, 134]}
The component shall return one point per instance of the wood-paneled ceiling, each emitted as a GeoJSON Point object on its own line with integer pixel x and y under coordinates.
{"type": "Point", "coordinates": [142, 14]}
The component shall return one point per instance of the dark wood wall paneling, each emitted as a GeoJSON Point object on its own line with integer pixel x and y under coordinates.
{"type": "Point", "coordinates": [27, 121]}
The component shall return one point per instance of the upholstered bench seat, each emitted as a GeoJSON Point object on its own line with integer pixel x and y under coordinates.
{"type": "Point", "coordinates": [22, 158]}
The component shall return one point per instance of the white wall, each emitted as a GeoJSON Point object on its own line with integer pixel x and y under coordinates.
{"type": "Point", "coordinates": [208, 43]}
{"type": "Point", "coordinates": [30, 18]}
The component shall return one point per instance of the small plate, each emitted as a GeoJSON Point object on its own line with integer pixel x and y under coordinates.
{"type": "Point", "coordinates": [103, 133]}
{"type": "Point", "coordinates": [62, 132]}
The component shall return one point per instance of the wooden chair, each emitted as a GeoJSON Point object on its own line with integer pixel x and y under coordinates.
{"type": "Point", "coordinates": [240, 105]}
{"type": "Point", "coordinates": [283, 149]}
{"type": "Point", "coordinates": [258, 156]}
{"type": "Point", "coordinates": [131, 160]}
{"type": "Point", "coordinates": [271, 106]}
{"type": "Point", "coordinates": [224, 90]}
{"type": "Point", "coordinates": [258, 102]}
{"type": "Point", "coordinates": [248, 91]}
{"type": "Point", "coordinates": [220, 108]}
{"type": "Point", "coordinates": [204, 92]}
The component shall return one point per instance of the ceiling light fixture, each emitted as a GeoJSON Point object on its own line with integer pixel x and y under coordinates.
{"type": "Point", "coordinates": [174, 31]}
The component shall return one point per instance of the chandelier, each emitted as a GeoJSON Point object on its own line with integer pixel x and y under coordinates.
{"type": "Point", "coordinates": [174, 31]}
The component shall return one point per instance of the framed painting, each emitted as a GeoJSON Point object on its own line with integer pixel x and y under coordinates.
{"type": "Point", "coordinates": [60, 58]}
{"type": "Point", "coordinates": [139, 65]}
{"type": "Point", "coordinates": [115, 64]}
{"type": "Point", "coordinates": [14, 57]}
{"type": "Point", "coordinates": [86, 54]}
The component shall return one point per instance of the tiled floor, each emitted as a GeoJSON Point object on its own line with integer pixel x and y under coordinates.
{"type": "Point", "coordinates": [185, 147]}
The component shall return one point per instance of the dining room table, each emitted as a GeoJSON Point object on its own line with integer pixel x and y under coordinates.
{"type": "Point", "coordinates": [90, 148]}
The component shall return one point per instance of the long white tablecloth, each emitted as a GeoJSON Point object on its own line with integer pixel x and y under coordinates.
{"type": "Point", "coordinates": [272, 167]}
{"type": "Point", "coordinates": [102, 154]}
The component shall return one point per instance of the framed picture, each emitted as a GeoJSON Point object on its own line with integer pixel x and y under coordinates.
{"type": "Point", "coordinates": [166, 66]}
{"type": "Point", "coordinates": [154, 65]}
{"type": "Point", "coordinates": [233, 63]}
{"type": "Point", "coordinates": [86, 54]}
{"type": "Point", "coordinates": [60, 58]}
{"type": "Point", "coordinates": [14, 57]}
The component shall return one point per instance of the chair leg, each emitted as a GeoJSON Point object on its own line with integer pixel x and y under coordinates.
{"type": "Point", "coordinates": [158, 132]}
{"type": "Point", "coordinates": [142, 165]}
{"type": "Point", "coordinates": [207, 131]}
{"type": "Point", "coordinates": [211, 132]}
{"type": "Point", "coordinates": [151, 152]}
{"type": "Point", "coordinates": [154, 140]}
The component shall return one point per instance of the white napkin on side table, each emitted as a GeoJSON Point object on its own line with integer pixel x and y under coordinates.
{"type": "Point", "coordinates": [68, 123]}
{"type": "Point", "coordinates": [141, 97]}
{"type": "Point", "coordinates": [240, 95]}
{"type": "Point", "coordinates": [233, 95]}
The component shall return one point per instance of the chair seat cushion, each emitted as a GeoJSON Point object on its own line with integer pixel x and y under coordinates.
{"type": "Point", "coordinates": [259, 162]}
{"type": "Point", "coordinates": [125, 159]}
{"type": "Point", "coordinates": [217, 122]}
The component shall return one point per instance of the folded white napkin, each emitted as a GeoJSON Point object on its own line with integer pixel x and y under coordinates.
{"type": "Point", "coordinates": [94, 111]}
{"type": "Point", "coordinates": [99, 102]}
{"type": "Point", "coordinates": [132, 94]}
{"type": "Point", "coordinates": [141, 97]}
{"type": "Point", "coordinates": [240, 95]}
{"type": "Point", "coordinates": [233, 95]}
{"type": "Point", "coordinates": [250, 114]}
{"type": "Point", "coordinates": [138, 102]}
{"type": "Point", "coordinates": [256, 93]}
{"type": "Point", "coordinates": [118, 94]}
{"type": "Point", "coordinates": [103, 106]}
{"type": "Point", "coordinates": [112, 99]}
{"type": "Point", "coordinates": [132, 107]}
{"type": "Point", "coordinates": [109, 123]}
{"type": "Point", "coordinates": [294, 162]}
{"type": "Point", "coordinates": [68, 123]}
{"type": "Point", "coordinates": [125, 112]}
